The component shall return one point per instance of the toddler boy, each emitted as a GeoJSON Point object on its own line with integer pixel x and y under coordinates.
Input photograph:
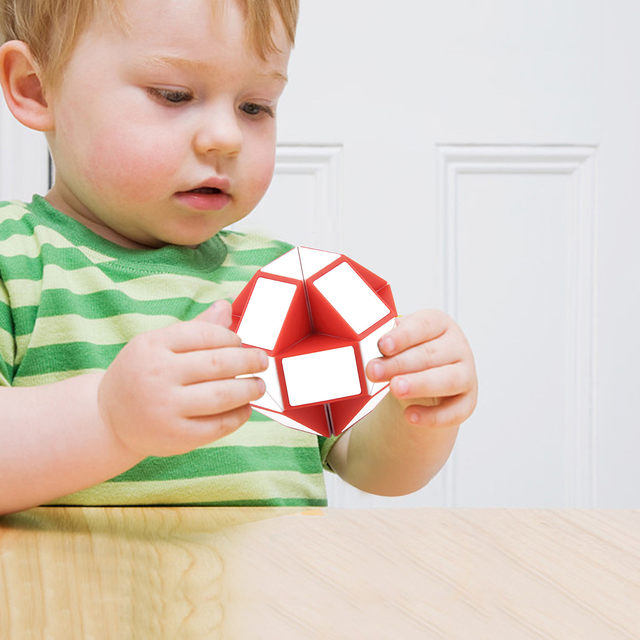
{"type": "Point", "coordinates": [120, 381]}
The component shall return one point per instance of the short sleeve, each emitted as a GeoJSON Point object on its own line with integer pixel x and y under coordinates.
{"type": "Point", "coordinates": [325, 445]}
{"type": "Point", "coordinates": [7, 340]}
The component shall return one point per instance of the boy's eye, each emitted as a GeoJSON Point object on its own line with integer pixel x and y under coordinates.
{"type": "Point", "coordinates": [173, 96]}
{"type": "Point", "coordinates": [253, 109]}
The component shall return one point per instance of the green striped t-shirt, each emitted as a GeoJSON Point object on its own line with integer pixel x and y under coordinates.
{"type": "Point", "coordinates": [70, 300]}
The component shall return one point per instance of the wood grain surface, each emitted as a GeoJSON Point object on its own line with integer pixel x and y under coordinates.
{"type": "Point", "coordinates": [93, 573]}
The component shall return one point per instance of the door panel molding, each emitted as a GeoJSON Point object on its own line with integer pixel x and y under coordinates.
{"type": "Point", "coordinates": [579, 164]}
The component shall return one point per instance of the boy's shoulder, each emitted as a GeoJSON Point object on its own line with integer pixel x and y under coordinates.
{"type": "Point", "coordinates": [24, 224]}
{"type": "Point", "coordinates": [17, 224]}
{"type": "Point", "coordinates": [34, 233]}
{"type": "Point", "coordinates": [13, 210]}
{"type": "Point", "coordinates": [22, 217]}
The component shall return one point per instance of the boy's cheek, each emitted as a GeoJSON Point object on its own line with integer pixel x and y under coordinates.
{"type": "Point", "coordinates": [261, 173]}
{"type": "Point", "coordinates": [135, 168]}
{"type": "Point", "coordinates": [263, 181]}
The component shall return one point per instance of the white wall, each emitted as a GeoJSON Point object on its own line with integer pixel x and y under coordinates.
{"type": "Point", "coordinates": [24, 167]}
{"type": "Point", "coordinates": [488, 165]}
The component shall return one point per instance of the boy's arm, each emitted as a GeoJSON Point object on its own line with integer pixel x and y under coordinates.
{"type": "Point", "coordinates": [53, 442]}
{"type": "Point", "coordinates": [167, 392]}
{"type": "Point", "coordinates": [398, 447]}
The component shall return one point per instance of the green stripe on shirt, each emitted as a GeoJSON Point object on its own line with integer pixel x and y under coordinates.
{"type": "Point", "coordinates": [222, 461]}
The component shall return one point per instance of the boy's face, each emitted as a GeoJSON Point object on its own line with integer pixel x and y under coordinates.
{"type": "Point", "coordinates": [166, 134]}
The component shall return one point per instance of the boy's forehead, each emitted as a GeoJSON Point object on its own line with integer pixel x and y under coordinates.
{"type": "Point", "coordinates": [172, 23]}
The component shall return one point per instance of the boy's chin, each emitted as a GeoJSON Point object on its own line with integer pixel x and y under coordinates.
{"type": "Point", "coordinates": [183, 238]}
{"type": "Point", "coordinates": [187, 244]}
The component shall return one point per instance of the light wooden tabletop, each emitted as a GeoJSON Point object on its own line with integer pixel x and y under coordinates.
{"type": "Point", "coordinates": [204, 573]}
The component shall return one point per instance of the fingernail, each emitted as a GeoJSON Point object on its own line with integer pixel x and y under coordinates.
{"type": "Point", "coordinates": [377, 370]}
{"type": "Point", "coordinates": [386, 344]}
{"type": "Point", "coordinates": [402, 386]}
{"type": "Point", "coordinates": [264, 360]}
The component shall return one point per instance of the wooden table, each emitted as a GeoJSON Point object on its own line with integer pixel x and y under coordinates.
{"type": "Point", "coordinates": [184, 573]}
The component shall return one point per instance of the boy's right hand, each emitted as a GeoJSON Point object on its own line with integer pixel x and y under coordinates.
{"type": "Point", "coordinates": [171, 390]}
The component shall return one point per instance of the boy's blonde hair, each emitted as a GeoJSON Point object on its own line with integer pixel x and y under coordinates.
{"type": "Point", "coordinates": [51, 27]}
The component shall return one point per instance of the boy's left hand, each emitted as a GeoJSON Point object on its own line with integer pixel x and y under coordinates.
{"type": "Point", "coordinates": [431, 368]}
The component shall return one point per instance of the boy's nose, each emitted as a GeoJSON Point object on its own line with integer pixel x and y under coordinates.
{"type": "Point", "coordinates": [219, 133]}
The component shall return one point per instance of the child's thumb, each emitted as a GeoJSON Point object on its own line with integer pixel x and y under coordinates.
{"type": "Point", "coordinates": [218, 313]}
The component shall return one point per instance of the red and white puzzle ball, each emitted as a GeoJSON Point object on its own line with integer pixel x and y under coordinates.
{"type": "Point", "coordinates": [319, 316]}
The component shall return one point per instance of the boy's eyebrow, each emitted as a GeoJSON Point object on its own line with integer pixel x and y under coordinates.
{"type": "Point", "coordinates": [197, 65]}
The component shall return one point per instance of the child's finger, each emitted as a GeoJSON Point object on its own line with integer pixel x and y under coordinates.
{"type": "Point", "coordinates": [219, 396]}
{"type": "Point", "coordinates": [450, 411]}
{"type": "Point", "coordinates": [218, 313]}
{"type": "Point", "coordinates": [414, 329]}
{"type": "Point", "coordinates": [434, 353]}
{"type": "Point", "coordinates": [205, 429]}
{"type": "Point", "coordinates": [196, 335]}
{"type": "Point", "coordinates": [448, 380]}
{"type": "Point", "coordinates": [217, 364]}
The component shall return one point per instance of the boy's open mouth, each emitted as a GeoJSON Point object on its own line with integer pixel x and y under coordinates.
{"type": "Point", "coordinates": [205, 190]}
{"type": "Point", "coordinates": [204, 198]}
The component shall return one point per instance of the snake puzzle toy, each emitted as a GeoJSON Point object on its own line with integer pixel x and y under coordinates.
{"type": "Point", "coordinates": [319, 316]}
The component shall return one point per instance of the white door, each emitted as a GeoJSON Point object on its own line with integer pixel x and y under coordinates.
{"type": "Point", "coordinates": [480, 156]}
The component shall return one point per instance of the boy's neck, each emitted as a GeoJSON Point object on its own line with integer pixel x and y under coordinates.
{"type": "Point", "coordinates": [55, 199]}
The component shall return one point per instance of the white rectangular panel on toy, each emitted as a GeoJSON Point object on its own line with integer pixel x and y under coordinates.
{"type": "Point", "coordinates": [351, 297]}
{"type": "Point", "coordinates": [272, 397]}
{"type": "Point", "coordinates": [321, 376]}
{"type": "Point", "coordinates": [287, 266]}
{"type": "Point", "coordinates": [313, 260]}
{"type": "Point", "coordinates": [369, 350]}
{"type": "Point", "coordinates": [265, 313]}
{"type": "Point", "coordinates": [285, 420]}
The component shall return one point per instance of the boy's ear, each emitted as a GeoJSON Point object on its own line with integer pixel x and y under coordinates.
{"type": "Point", "coordinates": [22, 87]}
